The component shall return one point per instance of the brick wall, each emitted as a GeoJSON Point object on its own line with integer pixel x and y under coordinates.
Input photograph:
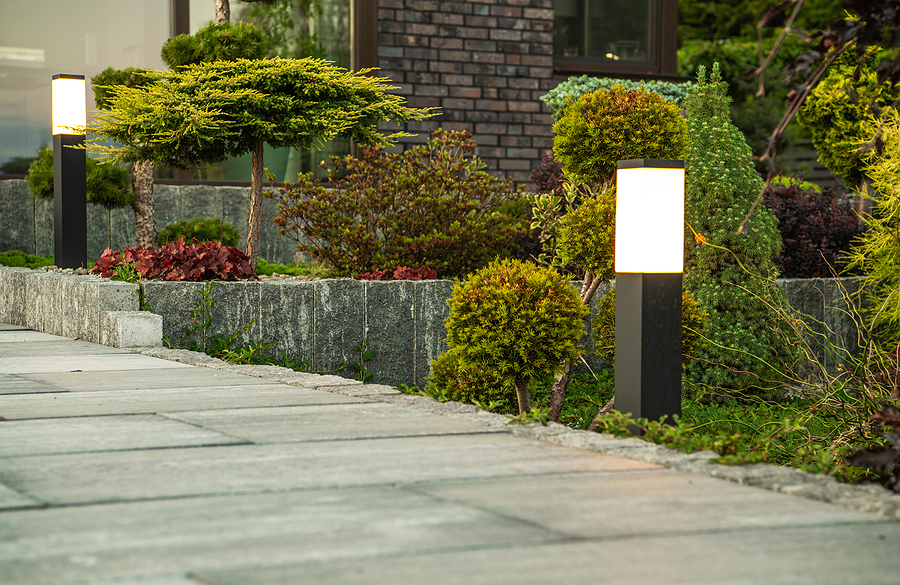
{"type": "Point", "coordinates": [485, 63]}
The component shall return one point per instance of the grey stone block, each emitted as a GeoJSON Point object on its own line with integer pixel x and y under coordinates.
{"type": "Point", "coordinates": [390, 330]}
{"type": "Point", "coordinates": [338, 326]}
{"type": "Point", "coordinates": [43, 227]}
{"type": "Point", "coordinates": [432, 308]}
{"type": "Point", "coordinates": [130, 329]}
{"type": "Point", "coordinates": [13, 300]}
{"type": "Point", "coordinates": [292, 331]}
{"type": "Point", "coordinates": [174, 301]}
{"type": "Point", "coordinates": [16, 216]}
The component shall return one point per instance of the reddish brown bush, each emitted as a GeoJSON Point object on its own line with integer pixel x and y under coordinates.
{"type": "Point", "coordinates": [177, 261]}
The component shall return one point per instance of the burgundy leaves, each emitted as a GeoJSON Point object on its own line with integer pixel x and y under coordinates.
{"type": "Point", "coordinates": [178, 261]}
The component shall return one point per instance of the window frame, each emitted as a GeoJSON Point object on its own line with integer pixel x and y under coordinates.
{"type": "Point", "coordinates": [665, 51]}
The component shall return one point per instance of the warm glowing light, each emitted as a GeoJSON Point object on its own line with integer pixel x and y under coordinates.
{"type": "Point", "coordinates": [68, 103]}
{"type": "Point", "coordinates": [650, 216]}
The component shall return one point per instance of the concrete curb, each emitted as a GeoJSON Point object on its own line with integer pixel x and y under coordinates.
{"type": "Point", "coordinates": [866, 498]}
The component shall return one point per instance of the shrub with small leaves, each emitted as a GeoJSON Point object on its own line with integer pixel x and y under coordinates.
{"type": "Point", "coordinates": [429, 205]}
{"type": "Point", "coordinates": [177, 261]}
{"type": "Point", "coordinates": [817, 228]}
{"type": "Point", "coordinates": [604, 127]}
{"type": "Point", "coordinates": [215, 42]}
{"type": "Point", "coordinates": [587, 234]}
{"type": "Point", "coordinates": [107, 184]}
{"type": "Point", "coordinates": [518, 320]}
{"type": "Point", "coordinates": [202, 229]}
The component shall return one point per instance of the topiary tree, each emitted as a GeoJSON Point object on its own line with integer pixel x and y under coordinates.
{"type": "Point", "coordinates": [516, 319]}
{"type": "Point", "coordinates": [204, 113]}
{"type": "Point", "coordinates": [601, 128]}
{"type": "Point", "coordinates": [838, 113]}
{"type": "Point", "coordinates": [733, 279]}
{"type": "Point", "coordinates": [215, 42]}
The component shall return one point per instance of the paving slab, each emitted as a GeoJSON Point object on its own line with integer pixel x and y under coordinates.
{"type": "Point", "coordinates": [658, 502]}
{"type": "Point", "coordinates": [161, 376]}
{"type": "Point", "coordinates": [169, 473]}
{"type": "Point", "coordinates": [331, 422]}
{"type": "Point", "coordinates": [86, 363]}
{"type": "Point", "coordinates": [834, 555]}
{"type": "Point", "coordinates": [27, 335]}
{"type": "Point", "coordinates": [59, 346]}
{"type": "Point", "coordinates": [255, 393]}
{"type": "Point", "coordinates": [9, 327]}
{"type": "Point", "coordinates": [10, 384]}
{"type": "Point", "coordinates": [12, 499]}
{"type": "Point", "coordinates": [102, 433]}
{"type": "Point", "coordinates": [116, 540]}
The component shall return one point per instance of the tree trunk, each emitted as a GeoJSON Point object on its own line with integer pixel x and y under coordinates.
{"type": "Point", "coordinates": [561, 381]}
{"type": "Point", "coordinates": [144, 216]}
{"type": "Point", "coordinates": [256, 182]}
{"type": "Point", "coordinates": [223, 11]}
{"type": "Point", "coordinates": [522, 395]}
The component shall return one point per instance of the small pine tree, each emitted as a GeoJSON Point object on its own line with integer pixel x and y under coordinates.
{"type": "Point", "coordinates": [732, 279]}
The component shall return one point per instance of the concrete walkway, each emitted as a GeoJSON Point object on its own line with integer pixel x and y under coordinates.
{"type": "Point", "coordinates": [122, 468]}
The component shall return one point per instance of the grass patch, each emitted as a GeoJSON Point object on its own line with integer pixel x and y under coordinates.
{"type": "Point", "coordinates": [19, 259]}
{"type": "Point", "coordinates": [311, 269]}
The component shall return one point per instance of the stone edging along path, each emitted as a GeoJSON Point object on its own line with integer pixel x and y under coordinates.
{"type": "Point", "coordinates": [866, 498]}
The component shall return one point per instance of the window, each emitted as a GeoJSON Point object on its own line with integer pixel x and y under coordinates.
{"type": "Point", "coordinates": [616, 37]}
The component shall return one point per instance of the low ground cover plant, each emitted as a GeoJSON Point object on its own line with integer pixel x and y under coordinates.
{"type": "Point", "coordinates": [17, 258]}
{"type": "Point", "coordinates": [430, 205]}
{"type": "Point", "coordinates": [201, 229]}
{"type": "Point", "coordinates": [176, 261]}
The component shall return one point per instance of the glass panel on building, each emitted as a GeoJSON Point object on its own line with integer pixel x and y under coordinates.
{"type": "Point", "coordinates": [619, 30]}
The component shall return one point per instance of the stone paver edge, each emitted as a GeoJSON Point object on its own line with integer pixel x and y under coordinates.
{"type": "Point", "coordinates": [866, 498]}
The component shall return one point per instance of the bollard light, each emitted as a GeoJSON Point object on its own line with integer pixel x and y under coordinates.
{"type": "Point", "coordinates": [68, 104]}
{"type": "Point", "coordinates": [649, 264]}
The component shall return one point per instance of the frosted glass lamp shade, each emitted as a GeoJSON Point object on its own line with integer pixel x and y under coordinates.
{"type": "Point", "coordinates": [68, 103]}
{"type": "Point", "coordinates": [650, 216]}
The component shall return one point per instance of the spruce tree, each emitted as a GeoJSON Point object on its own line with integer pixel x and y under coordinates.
{"type": "Point", "coordinates": [731, 274]}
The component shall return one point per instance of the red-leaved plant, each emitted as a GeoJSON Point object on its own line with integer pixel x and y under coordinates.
{"type": "Point", "coordinates": [178, 261]}
{"type": "Point", "coordinates": [400, 273]}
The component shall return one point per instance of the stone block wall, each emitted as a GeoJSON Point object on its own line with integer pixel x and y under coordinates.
{"type": "Point", "coordinates": [485, 64]}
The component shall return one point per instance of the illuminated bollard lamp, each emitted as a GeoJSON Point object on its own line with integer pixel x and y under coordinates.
{"type": "Point", "coordinates": [69, 171]}
{"type": "Point", "coordinates": [649, 265]}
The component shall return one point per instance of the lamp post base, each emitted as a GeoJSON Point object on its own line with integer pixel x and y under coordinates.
{"type": "Point", "coordinates": [69, 202]}
{"type": "Point", "coordinates": [648, 344]}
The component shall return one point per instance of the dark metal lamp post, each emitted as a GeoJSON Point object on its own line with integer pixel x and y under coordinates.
{"type": "Point", "coordinates": [69, 171]}
{"type": "Point", "coordinates": [649, 265]}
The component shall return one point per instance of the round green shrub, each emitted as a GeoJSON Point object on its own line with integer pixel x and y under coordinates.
{"type": "Point", "coordinates": [215, 42]}
{"type": "Point", "coordinates": [587, 234]}
{"type": "Point", "coordinates": [604, 127]}
{"type": "Point", "coordinates": [511, 322]}
{"type": "Point", "coordinates": [475, 382]}
{"type": "Point", "coordinates": [107, 184]}
{"type": "Point", "coordinates": [838, 115]}
{"type": "Point", "coordinates": [202, 229]}
{"type": "Point", "coordinates": [693, 327]}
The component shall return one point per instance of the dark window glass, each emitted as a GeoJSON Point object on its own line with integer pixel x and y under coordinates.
{"type": "Point", "coordinates": [619, 30]}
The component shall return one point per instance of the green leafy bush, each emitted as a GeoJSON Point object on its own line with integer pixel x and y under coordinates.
{"type": "Point", "coordinates": [570, 90]}
{"type": "Point", "coordinates": [202, 229]}
{"type": "Point", "coordinates": [837, 113]}
{"type": "Point", "coordinates": [693, 327]}
{"type": "Point", "coordinates": [510, 323]}
{"type": "Point", "coordinates": [604, 127]}
{"type": "Point", "coordinates": [17, 258]}
{"type": "Point", "coordinates": [429, 205]}
{"type": "Point", "coordinates": [107, 184]}
{"type": "Point", "coordinates": [731, 274]}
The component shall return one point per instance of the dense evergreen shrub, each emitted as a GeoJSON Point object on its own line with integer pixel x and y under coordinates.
{"type": "Point", "coordinates": [601, 128]}
{"type": "Point", "coordinates": [107, 184]}
{"type": "Point", "coordinates": [429, 205]}
{"type": "Point", "coordinates": [817, 228]}
{"type": "Point", "coordinates": [587, 234]}
{"type": "Point", "coordinates": [215, 42]}
{"type": "Point", "coordinates": [202, 229]}
{"type": "Point", "coordinates": [732, 278]}
{"type": "Point", "coordinates": [510, 323]}
{"type": "Point", "coordinates": [877, 251]}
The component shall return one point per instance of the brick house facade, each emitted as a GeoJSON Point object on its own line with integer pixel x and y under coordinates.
{"type": "Point", "coordinates": [485, 64]}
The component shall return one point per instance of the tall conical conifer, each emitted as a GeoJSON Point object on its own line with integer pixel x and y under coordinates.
{"type": "Point", "coordinates": [733, 279]}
